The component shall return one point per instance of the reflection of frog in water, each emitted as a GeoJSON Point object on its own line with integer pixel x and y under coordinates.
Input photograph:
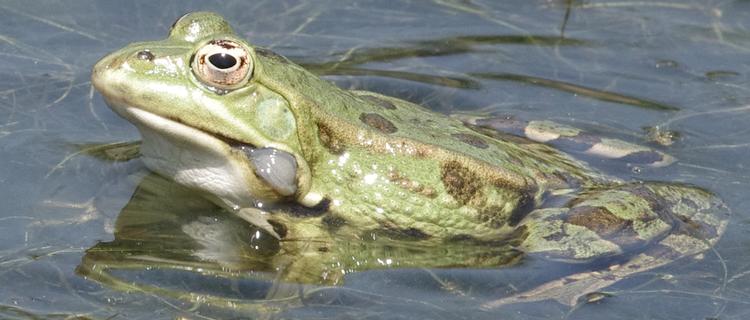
{"type": "Point", "coordinates": [252, 130]}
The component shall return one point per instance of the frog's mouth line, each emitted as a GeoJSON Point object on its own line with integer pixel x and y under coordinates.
{"type": "Point", "coordinates": [276, 167]}
{"type": "Point", "coordinates": [176, 128]}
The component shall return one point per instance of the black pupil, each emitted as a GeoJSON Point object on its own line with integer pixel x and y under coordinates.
{"type": "Point", "coordinates": [222, 60]}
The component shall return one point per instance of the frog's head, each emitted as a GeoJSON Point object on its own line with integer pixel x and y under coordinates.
{"type": "Point", "coordinates": [206, 118]}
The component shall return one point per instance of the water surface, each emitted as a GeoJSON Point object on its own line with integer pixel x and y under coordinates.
{"type": "Point", "coordinates": [618, 68]}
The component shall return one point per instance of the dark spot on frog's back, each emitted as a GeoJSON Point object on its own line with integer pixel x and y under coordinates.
{"type": "Point", "coordinates": [378, 101]}
{"type": "Point", "coordinates": [329, 139]}
{"type": "Point", "coordinates": [460, 182]}
{"type": "Point", "coordinates": [471, 140]}
{"type": "Point", "coordinates": [378, 122]}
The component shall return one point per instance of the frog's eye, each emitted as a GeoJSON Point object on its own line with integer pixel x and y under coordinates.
{"type": "Point", "coordinates": [222, 64]}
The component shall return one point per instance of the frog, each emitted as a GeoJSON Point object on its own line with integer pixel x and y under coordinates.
{"type": "Point", "coordinates": [342, 179]}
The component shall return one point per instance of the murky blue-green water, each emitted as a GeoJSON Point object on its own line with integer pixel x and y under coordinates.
{"type": "Point", "coordinates": [680, 66]}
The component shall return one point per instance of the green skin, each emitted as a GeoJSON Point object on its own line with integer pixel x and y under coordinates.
{"type": "Point", "coordinates": [394, 173]}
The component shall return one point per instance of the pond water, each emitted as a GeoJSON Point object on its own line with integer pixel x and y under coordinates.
{"type": "Point", "coordinates": [617, 68]}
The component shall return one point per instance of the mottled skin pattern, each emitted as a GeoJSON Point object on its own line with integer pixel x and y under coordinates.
{"type": "Point", "coordinates": [388, 174]}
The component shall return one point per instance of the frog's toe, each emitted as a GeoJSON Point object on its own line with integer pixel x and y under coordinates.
{"type": "Point", "coordinates": [574, 140]}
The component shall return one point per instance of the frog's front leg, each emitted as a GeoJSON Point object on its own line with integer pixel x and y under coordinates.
{"type": "Point", "coordinates": [636, 226]}
{"type": "Point", "coordinates": [307, 254]}
{"type": "Point", "coordinates": [258, 218]}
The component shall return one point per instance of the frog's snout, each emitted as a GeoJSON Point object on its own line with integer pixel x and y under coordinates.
{"type": "Point", "coordinates": [113, 75]}
{"type": "Point", "coordinates": [103, 69]}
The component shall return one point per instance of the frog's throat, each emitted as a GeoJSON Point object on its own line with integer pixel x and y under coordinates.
{"type": "Point", "coordinates": [219, 166]}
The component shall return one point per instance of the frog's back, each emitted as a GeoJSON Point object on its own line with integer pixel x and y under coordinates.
{"type": "Point", "coordinates": [333, 108]}
{"type": "Point", "coordinates": [402, 119]}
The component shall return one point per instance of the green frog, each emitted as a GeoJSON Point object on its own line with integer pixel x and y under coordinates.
{"type": "Point", "coordinates": [327, 172]}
